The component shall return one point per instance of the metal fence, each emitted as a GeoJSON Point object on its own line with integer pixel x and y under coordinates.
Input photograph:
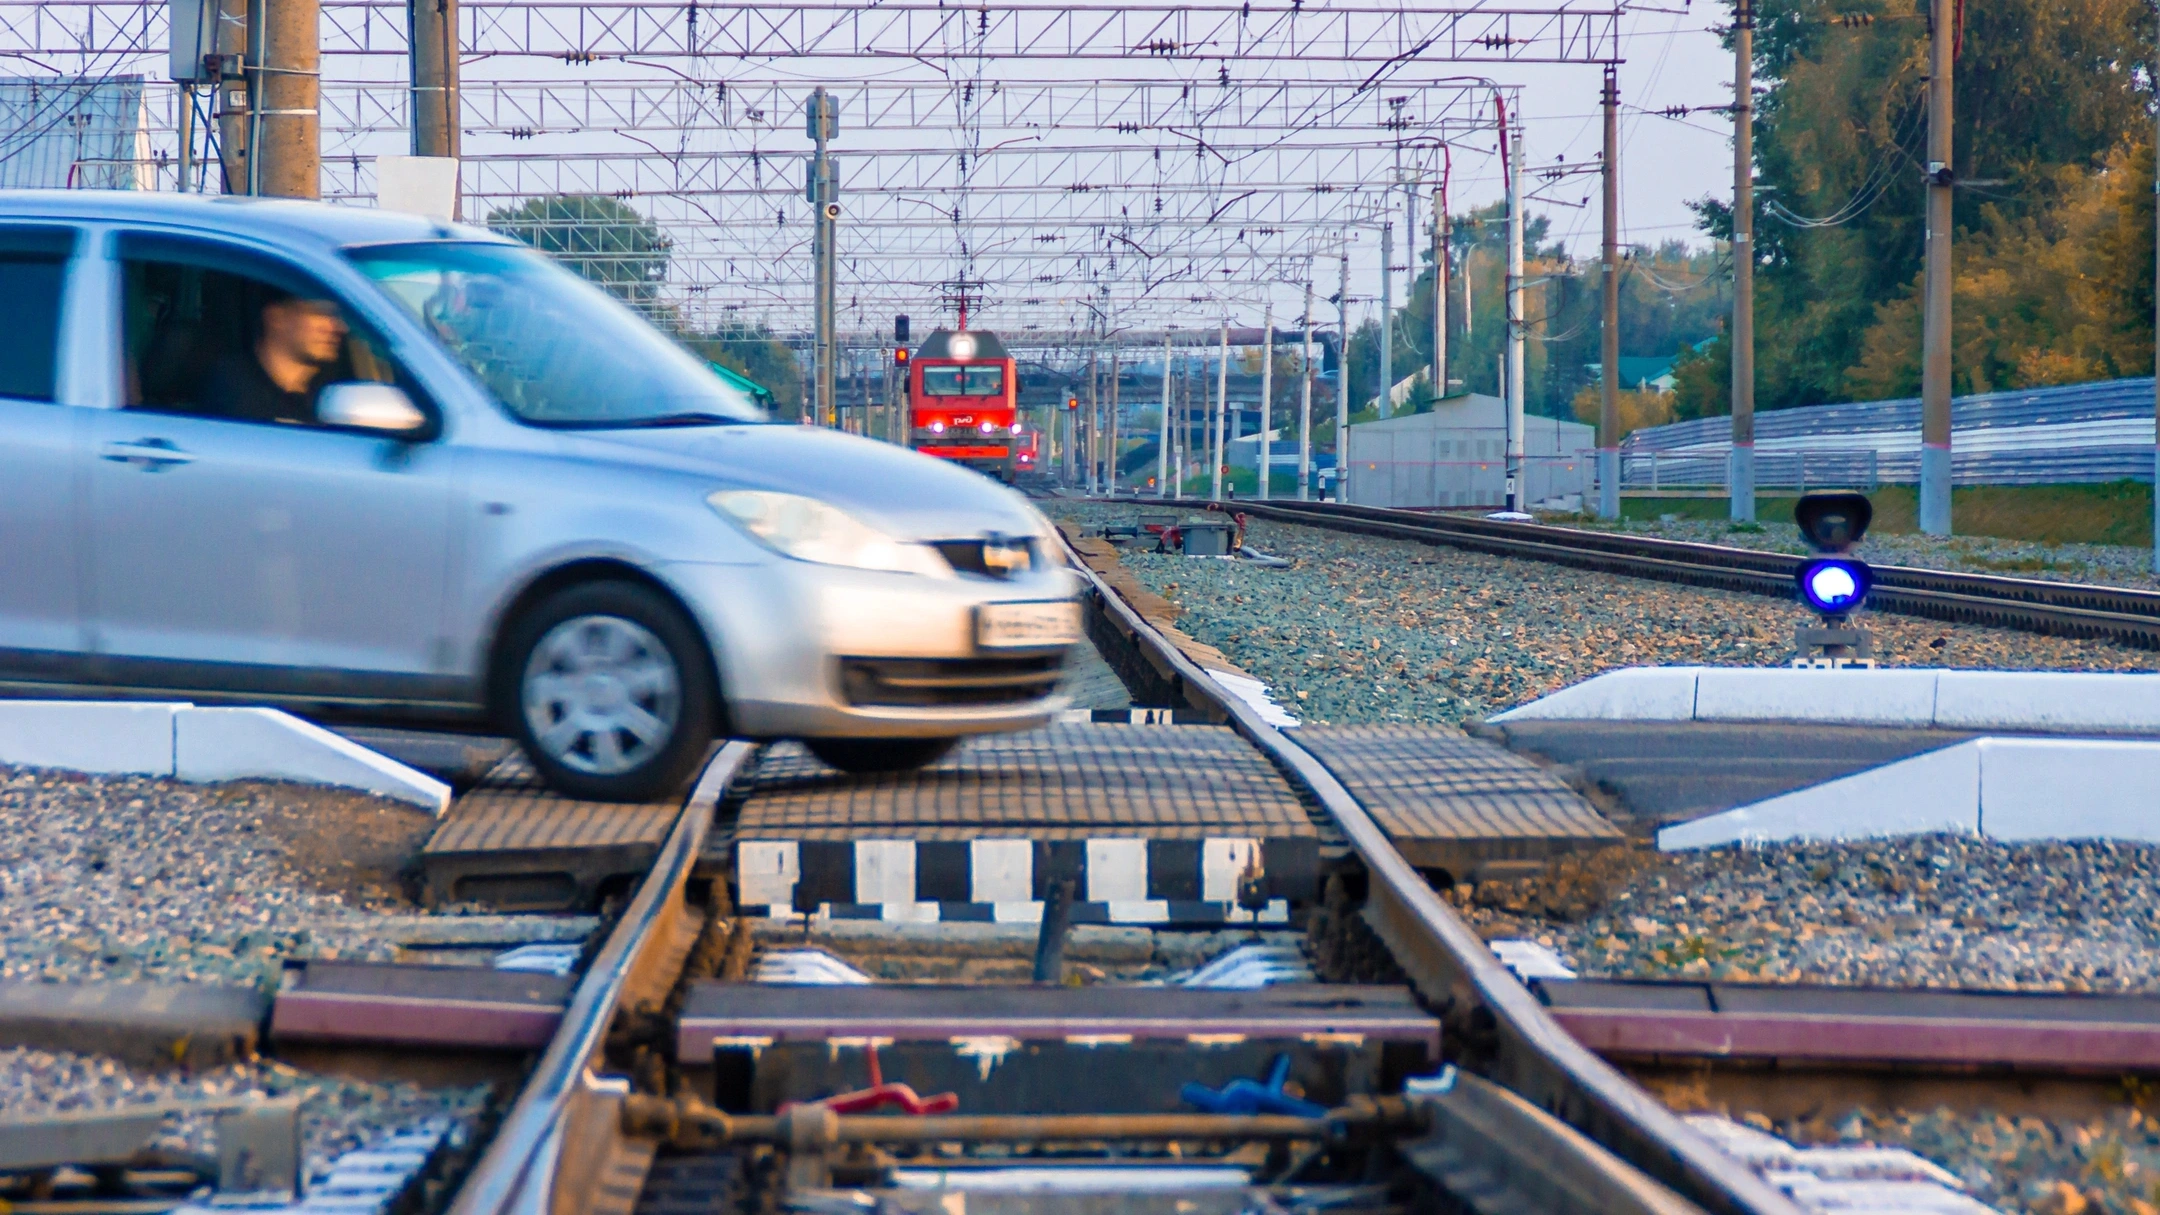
{"type": "Point", "coordinates": [2082, 432]}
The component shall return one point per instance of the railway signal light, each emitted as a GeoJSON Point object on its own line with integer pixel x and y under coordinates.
{"type": "Point", "coordinates": [1072, 402]}
{"type": "Point", "coordinates": [900, 329]}
{"type": "Point", "coordinates": [1832, 583]}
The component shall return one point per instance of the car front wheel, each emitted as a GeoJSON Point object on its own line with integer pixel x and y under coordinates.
{"type": "Point", "coordinates": [866, 755]}
{"type": "Point", "coordinates": [609, 692]}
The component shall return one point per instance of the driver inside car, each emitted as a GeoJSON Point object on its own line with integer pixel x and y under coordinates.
{"type": "Point", "coordinates": [297, 342]}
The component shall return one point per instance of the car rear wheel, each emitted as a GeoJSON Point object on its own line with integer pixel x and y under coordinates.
{"type": "Point", "coordinates": [609, 692]}
{"type": "Point", "coordinates": [867, 755]}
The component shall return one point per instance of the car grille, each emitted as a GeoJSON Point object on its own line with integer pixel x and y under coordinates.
{"type": "Point", "coordinates": [971, 557]}
{"type": "Point", "coordinates": [928, 682]}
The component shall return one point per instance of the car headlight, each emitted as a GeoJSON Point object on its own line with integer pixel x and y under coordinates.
{"type": "Point", "coordinates": [809, 530]}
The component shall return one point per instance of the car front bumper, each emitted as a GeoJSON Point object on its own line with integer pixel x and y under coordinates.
{"type": "Point", "coordinates": [802, 647]}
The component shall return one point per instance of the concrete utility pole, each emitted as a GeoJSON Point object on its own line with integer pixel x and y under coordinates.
{"type": "Point", "coordinates": [2156, 362]}
{"type": "Point", "coordinates": [1608, 413]}
{"type": "Point", "coordinates": [1386, 400]}
{"type": "Point", "coordinates": [1267, 396]}
{"type": "Point", "coordinates": [1440, 287]}
{"type": "Point", "coordinates": [1304, 408]}
{"type": "Point", "coordinates": [1088, 454]}
{"type": "Point", "coordinates": [1162, 444]}
{"type": "Point", "coordinates": [1935, 329]}
{"type": "Point", "coordinates": [288, 125]}
{"type": "Point", "coordinates": [1511, 143]}
{"type": "Point", "coordinates": [1342, 381]}
{"type": "Point", "coordinates": [821, 118]}
{"type": "Point", "coordinates": [435, 109]}
{"type": "Point", "coordinates": [1112, 471]}
{"type": "Point", "coordinates": [1222, 416]}
{"type": "Point", "coordinates": [235, 94]}
{"type": "Point", "coordinates": [1740, 476]}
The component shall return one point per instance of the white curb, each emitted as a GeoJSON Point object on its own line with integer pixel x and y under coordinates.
{"type": "Point", "coordinates": [126, 738]}
{"type": "Point", "coordinates": [2011, 789]}
{"type": "Point", "coordinates": [1917, 697]}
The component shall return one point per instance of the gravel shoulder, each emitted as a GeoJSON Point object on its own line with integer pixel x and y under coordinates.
{"type": "Point", "coordinates": [1363, 630]}
{"type": "Point", "coordinates": [135, 878]}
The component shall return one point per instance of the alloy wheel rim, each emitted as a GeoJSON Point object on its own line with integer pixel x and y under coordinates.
{"type": "Point", "coordinates": [601, 695]}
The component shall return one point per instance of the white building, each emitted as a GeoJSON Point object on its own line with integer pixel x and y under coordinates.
{"type": "Point", "coordinates": [1456, 455]}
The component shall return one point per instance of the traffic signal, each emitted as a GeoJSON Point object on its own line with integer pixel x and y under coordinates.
{"type": "Point", "coordinates": [900, 329]}
{"type": "Point", "coordinates": [900, 357]}
{"type": "Point", "coordinates": [1072, 402]}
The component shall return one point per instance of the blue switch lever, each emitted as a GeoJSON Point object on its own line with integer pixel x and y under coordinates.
{"type": "Point", "coordinates": [1242, 1096]}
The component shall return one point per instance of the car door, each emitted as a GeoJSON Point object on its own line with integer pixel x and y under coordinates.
{"type": "Point", "coordinates": [40, 578]}
{"type": "Point", "coordinates": [236, 552]}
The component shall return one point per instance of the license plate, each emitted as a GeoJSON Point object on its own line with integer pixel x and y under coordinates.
{"type": "Point", "coordinates": [1016, 626]}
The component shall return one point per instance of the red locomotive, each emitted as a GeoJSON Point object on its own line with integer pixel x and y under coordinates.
{"type": "Point", "coordinates": [963, 398]}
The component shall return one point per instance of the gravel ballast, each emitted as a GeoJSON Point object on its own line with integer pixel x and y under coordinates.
{"type": "Point", "coordinates": [336, 1115]}
{"type": "Point", "coordinates": [146, 879]}
{"type": "Point", "coordinates": [1924, 911]}
{"type": "Point", "coordinates": [1363, 630]}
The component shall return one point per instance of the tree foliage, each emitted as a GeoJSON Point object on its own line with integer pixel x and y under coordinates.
{"type": "Point", "coordinates": [2052, 225]}
{"type": "Point", "coordinates": [752, 350]}
{"type": "Point", "coordinates": [603, 239]}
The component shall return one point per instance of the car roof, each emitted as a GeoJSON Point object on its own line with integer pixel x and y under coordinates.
{"type": "Point", "coordinates": [283, 220]}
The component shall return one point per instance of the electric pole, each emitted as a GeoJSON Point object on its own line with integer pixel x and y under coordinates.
{"type": "Point", "coordinates": [1342, 378]}
{"type": "Point", "coordinates": [1110, 468]}
{"type": "Point", "coordinates": [288, 123]}
{"type": "Point", "coordinates": [1088, 455]}
{"type": "Point", "coordinates": [1511, 145]}
{"type": "Point", "coordinates": [1267, 398]}
{"type": "Point", "coordinates": [1440, 287]}
{"type": "Point", "coordinates": [435, 110]}
{"type": "Point", "coordinates": [1386, 399]}
{"type": "Point", "coordinates": [1304, 409]}
{"type": "Point", "coordinates": [821, 117]}
{"type": "Point", "coordinates": [234, 91]}
{"type": "Point", "coordinates": [1935, 329]}
{"type": "Point", "coordinates": [2156, 359]}
{"type": "Point", "coordinates": [1608, 416]}
{"type": "Point", "coordinates": [1222, 416]}
{"type": "Point", "coordinates": [1162, 443]}
{"type": "Point", "coordinates": [1740, 477]}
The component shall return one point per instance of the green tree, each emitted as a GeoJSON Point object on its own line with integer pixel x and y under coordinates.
{"type": "Point", "coordinates": [603, 239]}
{"type": "Point", "coordinates": [752, 350]}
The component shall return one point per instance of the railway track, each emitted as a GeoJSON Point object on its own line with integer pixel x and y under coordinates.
{"type": "Point", "coordinates": [2064, 609]}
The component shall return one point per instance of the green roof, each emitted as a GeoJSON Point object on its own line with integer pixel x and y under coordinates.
{"type": "Point", "coordinates": [736, 379]}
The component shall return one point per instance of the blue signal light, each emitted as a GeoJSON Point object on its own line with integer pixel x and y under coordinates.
{"type": "Point", "coordinates": [1835, 585]}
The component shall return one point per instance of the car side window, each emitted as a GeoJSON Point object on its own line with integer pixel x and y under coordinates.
{"type": "Point", "coordinates": [33, 277]}
{"type": "Point", "coordinates": [215, 332]}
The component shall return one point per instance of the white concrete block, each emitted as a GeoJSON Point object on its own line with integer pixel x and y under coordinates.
{"type": "Point", "coordinates": [1116, 870]}
{"type": "Point", "coordinates": [108, 737]}
{"type": "Point", "coordinates": [2069, 789]}
{"type": "Point", "coordinates": [1935, 791]}
{"type": "Point", "coordinates": [2048, 700]}
{"type": "Point", "coordinates": [242, 744]}
{"type": "Point", "coordinates": [1001, 871]}
{"type": "Point", "coordinates": [1888, 698]}
{"type": "Point", "coordinates": [1628, 694]}
{"type": "Point", "coordinates": [1222, 863]}
{"type": "Point", "coordinates": [885, 871]}
{"type": "Point", "coordinates": [766, 872]}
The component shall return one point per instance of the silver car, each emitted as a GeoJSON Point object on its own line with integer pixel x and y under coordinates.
{"type": "Point", "coordinates": [372, 468]}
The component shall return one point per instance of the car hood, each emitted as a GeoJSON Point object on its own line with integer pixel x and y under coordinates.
{"type": "Point", "coordinates": [904, 494]}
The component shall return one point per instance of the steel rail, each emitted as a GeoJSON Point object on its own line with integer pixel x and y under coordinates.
{"type": "Point", "coordinates": [2062, 609]}
{"type": "Point", "coordinates": [518, 1171]}
{"type": "Point", "coordinates": [1452, 968]}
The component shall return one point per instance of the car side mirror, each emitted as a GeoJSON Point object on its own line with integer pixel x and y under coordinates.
{"type": "Point", "coordinates": [366, 405]}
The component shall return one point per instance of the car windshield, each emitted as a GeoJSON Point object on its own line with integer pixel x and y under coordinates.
{"type": "Point", "coordinates": [553, 348]}
{"type": "Point", "coordinates": [966, 380]}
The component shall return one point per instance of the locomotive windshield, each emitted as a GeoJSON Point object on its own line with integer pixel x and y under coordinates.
{"type": "Point", "coordinates": [980, 380]}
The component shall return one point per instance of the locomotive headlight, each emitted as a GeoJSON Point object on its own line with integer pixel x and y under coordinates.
{"type": "Point", "coordinates": [937, 428]}
{"type": "Point", "coordinates": [1017, 424]}
{"type": "Point", "coordinates": [962, 346]}
{"type": "Point", "coordinates": [988, 428]}
{"type": "Point", "coordinates": [809, 530]}
{"type": "Point", "coordinates": [1835, 585]}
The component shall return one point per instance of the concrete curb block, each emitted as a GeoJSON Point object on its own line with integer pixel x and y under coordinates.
{"type": "Point", "coordinates": [1918, 697]}
{"type": "Point", "coordinates": [2010, 789]}
{"type": "Point", "coordinates": [191, 743]}
{"type": "Point", "coordinates": [212, 745]}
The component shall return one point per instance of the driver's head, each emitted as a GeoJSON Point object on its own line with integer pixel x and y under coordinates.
{"type": "Point", "coordinates": [303, 330]}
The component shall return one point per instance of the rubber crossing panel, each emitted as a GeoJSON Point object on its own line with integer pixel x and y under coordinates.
{"type": "Point", "coordinates": [512, 844]}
